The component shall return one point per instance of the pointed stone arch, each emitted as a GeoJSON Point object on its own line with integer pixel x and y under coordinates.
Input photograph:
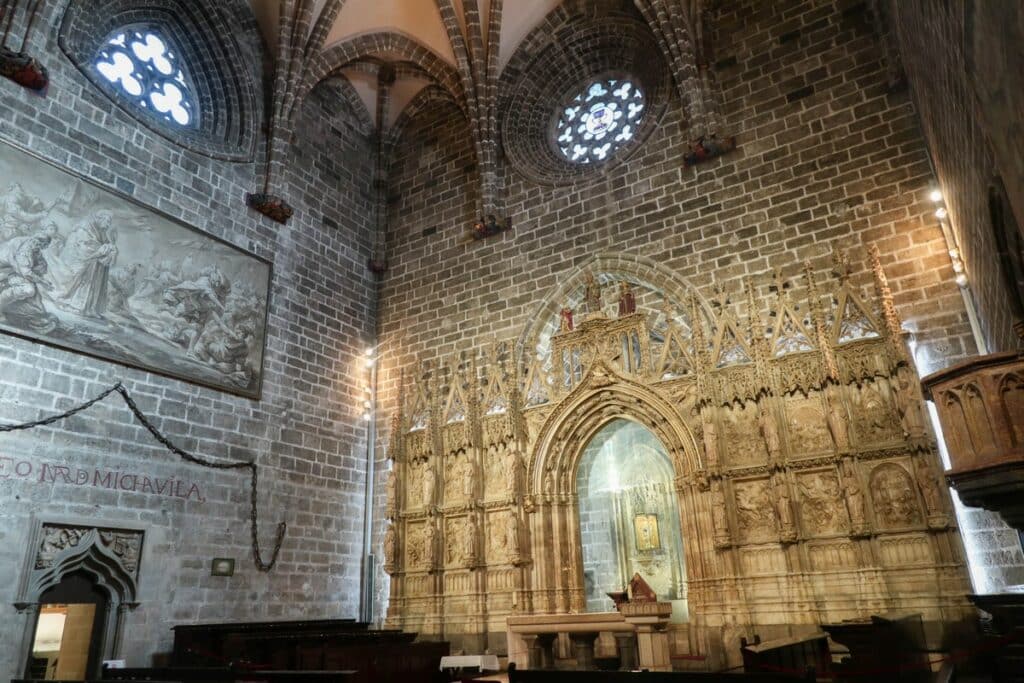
{"type": "Point", "coordinates": [109, 557]}
{"type": "Point", "coordinates": [638, 270]}
{"type": "Point", "coordinates": [604, 396]}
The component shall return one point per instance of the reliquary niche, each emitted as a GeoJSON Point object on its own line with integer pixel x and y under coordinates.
{"type": "Point", "coordinates": [790, 412]}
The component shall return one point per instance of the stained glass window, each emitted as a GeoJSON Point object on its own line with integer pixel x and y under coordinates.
{"type": "Point", "coordinates": [141, 64]}
{"type": "Point", "coordinates": [598, 121]}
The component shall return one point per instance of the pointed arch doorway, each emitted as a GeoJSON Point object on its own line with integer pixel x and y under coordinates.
{"type": "Point", "coordinates": [629, 516]}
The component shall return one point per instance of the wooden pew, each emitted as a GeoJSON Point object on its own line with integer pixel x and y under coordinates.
{"type": "Point", "coordinates": [552, 676]}
{"type": "Point", "coordinates": [787, 655]}
{"type": "Point", "coordinates": [224, 675]}
{"type": "Point", "coordinates": [323, 645]}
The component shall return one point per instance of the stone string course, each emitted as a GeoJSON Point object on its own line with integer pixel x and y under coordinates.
{"type": "Point", "coordinates": [305, 433]}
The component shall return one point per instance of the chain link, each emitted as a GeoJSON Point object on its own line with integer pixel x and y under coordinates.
{"type": "Point", "coordinates": [282, 527]}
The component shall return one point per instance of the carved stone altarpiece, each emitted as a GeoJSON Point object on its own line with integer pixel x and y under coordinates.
{"type": "Point", "coordinates": [805, 475]}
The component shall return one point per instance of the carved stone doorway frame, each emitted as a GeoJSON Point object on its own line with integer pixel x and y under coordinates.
{"type": "Point", "coordinates": [604, 396]}
{"type": "Point", "coordinates": [109, 554]}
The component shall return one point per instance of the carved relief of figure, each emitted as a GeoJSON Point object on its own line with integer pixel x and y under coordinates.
{"type": "Point", "coordinates": [511, 473]}
{"type": "Point", "coordinates": [854, 498]}
{"type": "Point", "coordinates": [929, 489]}
{"type": "Point", "coordinates": [836, 418]}
{"type": "Point", "coordinates": [627, 300]}
{"type": "Point", "coordinates": [390, 548]}
{"type": "Point", "coordinates": [549, 482]}
{"type": "Point", "coordinates": [908, 404]}
{"type": "Point", "coordinates": [469, 535]}
{"type": "Point", "coordinates": [512, 536]}
{"type": "Point", "coordinates": [391, 494]}
{"type": "Point", "coordinates": [469, 478]}
{"type": "Point", "coordinates": [430, 543]}
{"type": "Point", "coordinates": [892, 494]}
{"type": "Point", "coordinates": [710, 442]}
{"type": "Point", "coordinates": [565, 320]}
{"type": "Point", "coordinates": [592, 295]}
{"type": "Point", "coordinates": [820, 508]}
{"type": "Point", "coordinates": [720, 515]}
{"type": "Point", "coordinates": [784, 508]}
{"type": "Point", "coordinates": [770, 433]}
{"type": "Point", "coordinates": [755, 514]}
{"type": "Point", "coordinates": [429, 484]}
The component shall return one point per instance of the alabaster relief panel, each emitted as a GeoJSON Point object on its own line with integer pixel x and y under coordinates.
{"type": "Point", "coordinates": [900, 551]}
{"type": "Point", "coordinates": [419, 543]}
{"type": "Point", "coordinates": [874, 415]}
{"type": "Point", "coordinates": [742, 443]}
{"type": "Point", "coordinates": [762, 560]}
{"type": "Point", "coordinates": [822, 510]}
{"type": "Point", "coordinates": [459, 478]}
{"type": "Point", "coordinates": [827, 555]}
{"type": "Point", "coordinates": [417, 585]}
{"type": "Point", "coordinates": [502, 580]}
{"type": "Point", "coordinates": [806, 425]}
{"type": "Point", "coordinates": [503, 537]}
{"type": "Point", "coordinates": [460, 534]}
{"type": "Point", "coordinates": [755, 513]}
{"type": "Point", "coordinates": [893, 497]}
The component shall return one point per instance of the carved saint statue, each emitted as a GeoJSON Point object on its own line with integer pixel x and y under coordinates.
{"type": "Point", "coordinates": [908, 404]}
{"type": "Point", "coordinates": [720, 515]}
{"type": "Point", "coordinates": [511, 473]}
{"type": "Point", "coordinates": [430, 542]}
{"type": "Point", "coordinates": [565, 320]}
{"type": "Point", "coordinates": [592, 295]}
{"type": "Point", "coordinates": [390, 546]}
{"type": "Point", "coordinates": [929, 489]}
{"type": "Point", "coordinates": [784, 507]}
{"type": "Point", "coordinates": [391, 494]}
{"type": "Point", "coordinates": [627, 300]}
{"type": "Point", "coordinates": [836, 417]}
{"type": "Point", "coordinates": [710, 443]}
{"type": "Point", "coordinates": [429, 484]}
{"type": "Point", "coordinates": [770, 433]}
{"type": "Point", "coordinates": [549, 482]}
{"type": "Point", "coordinates": [469, 479]}
{"type": "Point", "coordinates": [470, 532]}
{"type": "Point", "coordinates": [854, 497]}
{"type": "Point", "coordinates": [512, 536]}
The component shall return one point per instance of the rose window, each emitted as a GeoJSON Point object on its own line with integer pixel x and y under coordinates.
{"type": "Point", "coordinates": [599, 120]}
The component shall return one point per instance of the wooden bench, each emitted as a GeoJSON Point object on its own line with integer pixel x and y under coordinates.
{"type": "Point", "coordinates": [318, 645]}
{"type": "Point", "coordinates": [223, 675]}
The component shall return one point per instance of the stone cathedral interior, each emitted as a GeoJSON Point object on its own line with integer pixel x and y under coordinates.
{"type": "Point", "coordinates": [679, 335]}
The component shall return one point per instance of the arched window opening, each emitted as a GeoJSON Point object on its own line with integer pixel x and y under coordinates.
{"type": "Point", "coordinates": [629, 516]}
{"type": "Point", "coordinates": [68, 638]}
{"type": "Point", "coordinates": [142, 65]}
{"type": "Point", "coordinates": [599, 119]}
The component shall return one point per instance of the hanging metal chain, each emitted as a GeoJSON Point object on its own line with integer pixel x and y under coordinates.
{"type": "Point", "coordinates": [264, 566]}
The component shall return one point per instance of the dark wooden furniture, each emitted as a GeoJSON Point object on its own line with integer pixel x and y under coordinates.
{"type": "Point", "coordinates": [322, 645]}
{"type": "Point", "coordinates": [788, 655]}
{"type": "Point", "coordinates": [553, 676]}
{"type": "Point", "coordinates": [888, 647]}
{"type": "Point", "coordinates": [224, 675]}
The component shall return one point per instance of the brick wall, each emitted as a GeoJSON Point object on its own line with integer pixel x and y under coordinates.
{"type": "Point", "coordinates": [961, 149]}
{"type": "Point", "coordinates": [305, 433]}
{"type": "Point", "coordinates": [965, 165]}
{"type": "Point", "coordinates": [827, 158]}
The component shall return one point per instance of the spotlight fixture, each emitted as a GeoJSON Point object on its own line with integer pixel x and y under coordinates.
{"type": "Point", "coordinates": [940, 213]}
{"type": "Point", "coordinates": [935, 195]}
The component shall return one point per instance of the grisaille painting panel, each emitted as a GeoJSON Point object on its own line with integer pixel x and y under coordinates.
{"type": "Point", "coordinates": [94, 272]}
